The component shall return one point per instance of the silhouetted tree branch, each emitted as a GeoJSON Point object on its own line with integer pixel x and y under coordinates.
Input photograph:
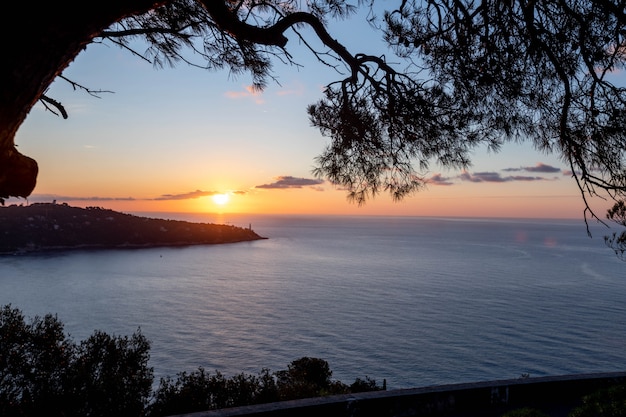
{"type": "Point", "coordinates": [47, 100]}
{"type": "Point", "coordinates": [617, 241]}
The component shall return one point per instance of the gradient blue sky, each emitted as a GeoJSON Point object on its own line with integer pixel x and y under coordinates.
{"type": "Point", "coordinates": [168, 139]}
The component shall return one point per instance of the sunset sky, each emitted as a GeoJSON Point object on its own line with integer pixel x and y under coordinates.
{"type": "Point", "coordinates": [169, 139]}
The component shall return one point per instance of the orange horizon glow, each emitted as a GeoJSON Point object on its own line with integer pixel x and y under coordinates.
{"type": "Point", "coordinates": [554, 198]}
{"type": "Point", "coordinates": [310, 202]}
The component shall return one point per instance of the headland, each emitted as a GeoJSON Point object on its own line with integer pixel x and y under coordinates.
{"type": "Point", "coordinates": [44, 227]}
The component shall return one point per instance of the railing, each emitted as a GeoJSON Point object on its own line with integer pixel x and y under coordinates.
{"type": "Point", "coordinates": [555, 396]}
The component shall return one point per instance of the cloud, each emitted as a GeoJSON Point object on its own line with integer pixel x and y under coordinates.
{"type": "Point", "coordinates": [524, 178]}
{"type": "Point", "coordinates": [540, 167]}
{"type": "Point", "coordinates": [51, 197]}
{"type": "Point", "coordinates": [495, 177]}
{"type": "Point", "coordinates": [164, 197]}
{"type": "Point", "coordinates": [297, 90]}
{"type": "Point", "coordinates": [286, 181]}
{"type": "Point", "coordinates": [437, 179]}
{"type": "Point", "coordinates": [481, 177]}
{"type": "Point", "coordinates": [248, 92]}
{"type": "Point", "coordinates": [186, 196]}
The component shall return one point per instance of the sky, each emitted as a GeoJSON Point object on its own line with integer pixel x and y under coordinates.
{"type": "Point", "coordinates": [172, 139]}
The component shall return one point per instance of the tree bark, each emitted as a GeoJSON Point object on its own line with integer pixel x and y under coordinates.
{"type": "Point", "coordinates": [39, 40]}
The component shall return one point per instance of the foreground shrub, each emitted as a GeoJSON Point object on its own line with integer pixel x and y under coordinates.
{"type": "Point", "coordinates": [34, 358]}
{"type": "Point", "coordinates": [366, 385]}
{"type": "Point", "coordinates": [110, 376]}
{"type": "Point", "coordinates": [525, 412]}
{"type": "Point", "coordinates": [608, 402]}
{"type": "Point", "coordinates": [305, 378]}
{"type": "Point", "coordinates": [198, 391]}
{"type": "Point", "coordinates": [44, 373]}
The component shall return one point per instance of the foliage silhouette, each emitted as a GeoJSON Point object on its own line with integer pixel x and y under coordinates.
{"type": "Point", "coordinates": [607, 402]}
{"type": "Point", "coordinates": [525, 412]}
{"type": "Point", "coordinates": [199, 390]}
{"type": "Point", "coordinates": [617, 241]}
{"type": "Point", "coordinates": [45, 373]}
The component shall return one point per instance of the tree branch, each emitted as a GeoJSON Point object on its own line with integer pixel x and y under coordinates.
{"type": "Point", "coordinates": [227, 20]}
{"type": "Point", "coordinates": [45, 100]}
{"type": "Point", "coordinates": [89, 91]}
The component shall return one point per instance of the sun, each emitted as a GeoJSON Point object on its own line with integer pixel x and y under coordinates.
{"type": "Point", "coordinates": [220, 199]}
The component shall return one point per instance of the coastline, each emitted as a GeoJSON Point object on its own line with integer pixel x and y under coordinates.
{"type": "Point", "coordinates": [47, 227]}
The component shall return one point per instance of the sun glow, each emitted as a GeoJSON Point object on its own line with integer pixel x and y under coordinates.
{"type": "Point", "coordinates": [220, 199]}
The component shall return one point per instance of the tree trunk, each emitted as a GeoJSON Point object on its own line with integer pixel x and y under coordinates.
{"type": "Point", "coordinates": [39, 40]}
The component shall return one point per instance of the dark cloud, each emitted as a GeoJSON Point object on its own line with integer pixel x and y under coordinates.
{"type": "Point", "coordinates": [164, 197]}
{"type": "Point", "coordinates": [540, 167]}
{"type": "Point", "coordinates": [524, 178]}
{"type": "Point", "coordinates": [466, 176]}
{"type": "Point", "coordinates": [482, 177]}
{"type": "Point", "coordinates": [438, 179]}
{"type": "Point", "coordinates": [104, 198]}
{"type": "Point", "coordinates": [495, 177]}
{"type": "Point", "coordinates": [41, 198]}
{"type": "Point", "coordinates": [291, 182]}
{"type": "Point", "coordinates": [186, 196]}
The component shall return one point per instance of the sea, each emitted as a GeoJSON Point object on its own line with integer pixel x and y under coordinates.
{"type": "Point", "coordinates": [413, 301]}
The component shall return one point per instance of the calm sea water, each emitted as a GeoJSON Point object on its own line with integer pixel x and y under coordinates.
{"type": "Point", "coordinates": [415, 301]}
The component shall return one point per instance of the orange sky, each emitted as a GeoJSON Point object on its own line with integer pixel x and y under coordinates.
{"type": "Point", "coordinates": [475, 200]}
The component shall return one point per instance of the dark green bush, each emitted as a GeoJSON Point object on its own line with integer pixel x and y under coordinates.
{"type": "Point", "coordinates": [306, 377]}
{"type": "Point", "coordinates": [34, 358]}
{"type": "Point", "coordinates": [200, 390]}
{"type": "Point", "coordinates": [366, 385]}
{"type": "Point", "coordinates": [608, 402]}
{"type": "Point", "coordinates": [525, 412]}
{"type": "Point", "coordinates": [44, 373]}
{"type": "Point", "coordinates": [110, 376]}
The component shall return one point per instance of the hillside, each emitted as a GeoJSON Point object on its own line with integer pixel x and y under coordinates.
{"type": "Point", "coordinates": [41, 227]}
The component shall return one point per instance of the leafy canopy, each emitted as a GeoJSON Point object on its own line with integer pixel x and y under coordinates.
{"type": "Point", "coordinates": [465, 73]}
{"type": "Point", "coordinates": [482, 72]}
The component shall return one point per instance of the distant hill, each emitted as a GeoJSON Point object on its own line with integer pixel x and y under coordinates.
{"type": "Point", "coordinates": [43, 227]}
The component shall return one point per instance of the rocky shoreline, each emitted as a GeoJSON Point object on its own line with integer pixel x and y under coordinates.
{"type": "Point", "coordinates": [46, 227]}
